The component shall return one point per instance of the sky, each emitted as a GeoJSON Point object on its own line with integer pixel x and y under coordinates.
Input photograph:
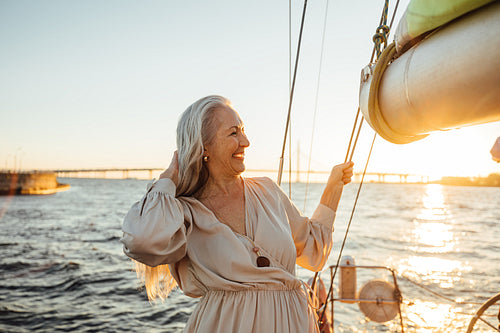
{"type": "Point", "coordinates": [101, 84]}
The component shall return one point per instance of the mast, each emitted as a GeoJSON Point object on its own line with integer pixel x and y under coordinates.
{"type": "Point", "coordinates": [298, 162]}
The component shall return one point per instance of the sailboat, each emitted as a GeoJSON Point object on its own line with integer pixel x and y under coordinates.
{"type": "Point", "coordinates": [441, 72]}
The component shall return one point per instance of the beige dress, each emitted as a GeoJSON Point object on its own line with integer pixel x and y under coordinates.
{"type": "Point", "coordinates": [209, 260]}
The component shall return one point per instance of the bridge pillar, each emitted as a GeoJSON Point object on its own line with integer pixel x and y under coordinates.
{"type": "Point", "coordinates": [150, 174]}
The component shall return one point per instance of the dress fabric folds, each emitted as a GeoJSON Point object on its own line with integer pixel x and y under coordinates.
{"type": "Point", "coordinates": [209, 260]}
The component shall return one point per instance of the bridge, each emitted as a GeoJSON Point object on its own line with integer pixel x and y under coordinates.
{"type": "Point", "coordinates": [104, 173]}
{"type": "Point", "coordinates": [371, 177]}
{"type": "Point", "coordinates": [124, 173]}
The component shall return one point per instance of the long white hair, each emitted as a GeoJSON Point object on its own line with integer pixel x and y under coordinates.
{"type": "Point", "coordinates": [196, 128]}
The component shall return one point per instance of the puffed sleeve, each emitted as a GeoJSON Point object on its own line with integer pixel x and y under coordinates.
{"type": "Point", "coordinates": [312, 236]}
{"type": "Point", "coordinates": [155, 229]}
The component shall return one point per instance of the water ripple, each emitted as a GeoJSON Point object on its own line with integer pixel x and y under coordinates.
{"type": "Point", "coordinates": [63, 268]}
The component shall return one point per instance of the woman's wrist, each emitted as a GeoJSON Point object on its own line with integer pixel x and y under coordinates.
{"type": "Point", "coordinates": [331, 195]}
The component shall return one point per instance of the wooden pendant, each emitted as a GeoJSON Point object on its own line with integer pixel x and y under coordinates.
{"type": "Point", "coordinates": [263, 261]}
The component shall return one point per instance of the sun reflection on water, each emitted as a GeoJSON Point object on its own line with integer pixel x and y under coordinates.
{"type": "Point", "coordinates": [434, 237]}
{"type": "Point", "coordinates": [433, 243]}
{"type": "Point", "coordinates": [443, 272]}
{"type": "Point", "coordinates": [433, 231]}
{"type": "Point", "coordinates": [428, 316]}
{"type": "Point", "coordinates": [433, 204]}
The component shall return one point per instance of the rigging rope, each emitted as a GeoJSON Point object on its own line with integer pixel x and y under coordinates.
{"type": "Point", "coordinates": [437, 294]}
{"type": "Point", "coordinates": [280, 171]}
{"type": "Point", "coordinates": [379, 39]}
{"type": "Point", "coordinates": [330, 291]}
{"type": "Point", "coordinates": [352, 135]}
{"type": "Point", "coordinates": [381, 33]}
{"type": "Point", "coordinates": [316, 103]}
{"type": "Point", "coordinates": [289, 92]}
{"type": "Point", "coordinates": [290, 159]}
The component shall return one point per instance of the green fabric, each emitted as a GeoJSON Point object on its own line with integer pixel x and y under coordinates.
{"type": "Point", "coordinates": [425, 15]}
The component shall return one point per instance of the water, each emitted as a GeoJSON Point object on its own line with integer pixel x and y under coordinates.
{"type": "Point", "coordinates": [63, 270]}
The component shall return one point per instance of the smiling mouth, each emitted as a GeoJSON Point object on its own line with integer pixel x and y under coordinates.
{"type": "Point", "coordinates": [239, 155]}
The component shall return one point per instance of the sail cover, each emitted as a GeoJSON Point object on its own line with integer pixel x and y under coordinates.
{"type": "Point", "coordinates": [447, 80]}
{"type": "Point", "coordinates": [423, 16]}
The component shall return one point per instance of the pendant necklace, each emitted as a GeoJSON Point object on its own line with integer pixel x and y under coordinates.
{"type": "Point", "coordinates": [262, 261]}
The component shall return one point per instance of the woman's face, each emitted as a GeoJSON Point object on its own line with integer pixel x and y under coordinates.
{"type": "Point", "coordinates": [226, 152]}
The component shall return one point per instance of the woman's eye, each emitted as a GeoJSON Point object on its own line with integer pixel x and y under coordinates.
{"type": "Point", "coordinates": [233, 133]}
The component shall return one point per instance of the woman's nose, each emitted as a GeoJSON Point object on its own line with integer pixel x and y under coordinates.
{"type": "Point", "coordinates": [244, 142]}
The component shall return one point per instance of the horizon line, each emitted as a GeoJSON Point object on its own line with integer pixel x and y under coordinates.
{"type": "Point", "coordinates": [270, 171]}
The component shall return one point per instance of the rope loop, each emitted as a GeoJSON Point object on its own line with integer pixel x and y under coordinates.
{"type": "Point", "coordinates": [380, 38]}
{"type": "Point", "coordinates": [384, 28]}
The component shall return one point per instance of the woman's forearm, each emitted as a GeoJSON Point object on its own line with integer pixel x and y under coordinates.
{"type": "Point", "coordinates": [331, 195]}
{"type": "Point", "coordinates": [339, 176]}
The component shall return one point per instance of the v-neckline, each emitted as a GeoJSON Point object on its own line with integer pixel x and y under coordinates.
{"type": "Point", "coordinates": [248, 230]}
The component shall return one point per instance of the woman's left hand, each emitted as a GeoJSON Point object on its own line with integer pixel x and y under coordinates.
{"type": "Point", "coordinates": [339, 176]}
{"type": "Point", "coordinates": [343, 171]}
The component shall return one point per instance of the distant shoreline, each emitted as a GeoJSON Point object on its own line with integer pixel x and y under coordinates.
{"type": "Point", "coordinates": [490, 181]}
{"type": "Point", "coordinates": [493, 180]}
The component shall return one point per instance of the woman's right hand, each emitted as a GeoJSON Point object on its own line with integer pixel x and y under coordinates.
{"type": "Point", "coordinates": [172, 171]}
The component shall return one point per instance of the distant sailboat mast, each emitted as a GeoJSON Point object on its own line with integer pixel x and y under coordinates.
{"type": "Point", "coordinates": [298, 162]}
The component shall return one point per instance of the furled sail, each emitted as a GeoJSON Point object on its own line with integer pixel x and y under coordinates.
{"type": "Point", "coordinates": [436, 78]}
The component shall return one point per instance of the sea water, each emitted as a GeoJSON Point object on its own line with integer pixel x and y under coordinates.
{"type": "Point", "coordinates": [62, 268]}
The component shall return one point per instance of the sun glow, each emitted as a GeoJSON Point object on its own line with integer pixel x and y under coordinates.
{"type": "Point", "coordinates": [461, 152]}
{"type": "Point", "coordinates": [433, 204]}
{"type": "Point", "coordinates": [433, 230]}
{"type": "Point", "coordinates": [433, 225]}
{"type": "Point", "coordinates": [434, 237]}
{"type": "Point", "coordinates": [444, 272]}
{"type": "Point", "coordinates": [428, 315]}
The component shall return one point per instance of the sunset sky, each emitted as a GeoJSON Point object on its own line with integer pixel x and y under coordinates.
{"type": "Point", "coordinates": [101, 84]}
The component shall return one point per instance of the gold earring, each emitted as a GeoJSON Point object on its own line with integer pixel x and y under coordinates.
{"type": "Point", "coordinates": [205, 159]}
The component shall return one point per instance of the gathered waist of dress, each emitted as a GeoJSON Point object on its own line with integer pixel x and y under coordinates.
{"type": "Point", "coordinates": [301, 291]}
{"type": "Point", "coordinates": [254, 290]}
{"type": "Point", "coordinates": [266, 295]}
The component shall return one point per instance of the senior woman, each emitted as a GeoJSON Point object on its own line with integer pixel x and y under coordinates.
{"type": "Point", "coordinates": [230, 240]}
